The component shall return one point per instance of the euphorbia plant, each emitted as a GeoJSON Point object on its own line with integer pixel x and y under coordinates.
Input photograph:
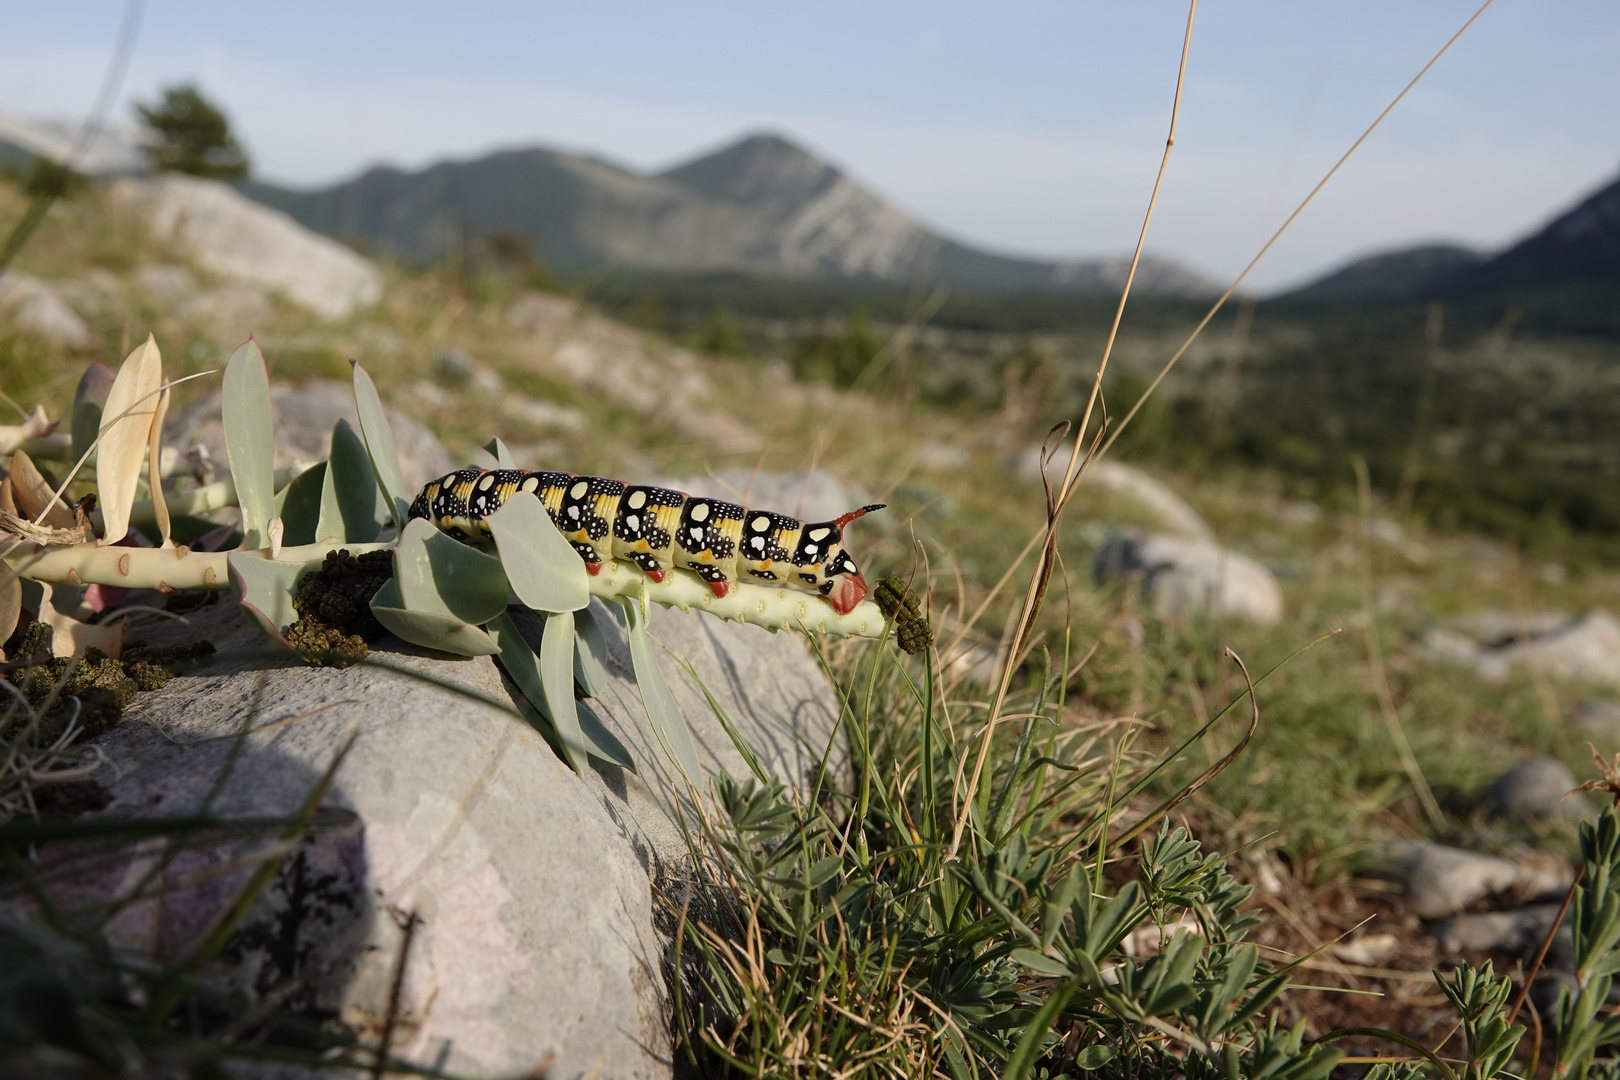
{"type": "Point", "coordinates": [443, 594]}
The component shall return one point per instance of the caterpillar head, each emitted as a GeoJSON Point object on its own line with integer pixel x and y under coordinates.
{"type": "Point", "coordinates": [842, 583]}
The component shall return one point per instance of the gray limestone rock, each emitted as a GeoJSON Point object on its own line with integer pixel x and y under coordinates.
{"type": "Point", "coordinates": [534, 891]}
{"type": "Point", "coordinates": [1184, 576]}
{"type": "Point", "coordinates": [1442, 881]}
{"type": "Point", "coordinates": [236, 238]}
{"type": "Point", "coordinates": [1585, 649]}
{"type": "Point", "coordinates": [304, 417]}
{"type": "Point", "coordinates": [37, 307]}
{"type": "Point", "coordinates": [1599, 721]}
{"type": "Point", "coordinates": [1538, 788]}
{"type": "Point", "coordinates": [1519, 931]}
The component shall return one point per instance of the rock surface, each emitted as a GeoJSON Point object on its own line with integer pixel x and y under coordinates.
{"type": "Point", "coordinates": [304, 418]}
{"type": "Point", "coordinates": [1587, 648]}
{"type": "Point", "coordinates": [1187, 577]}
{"type": "Point", "coordinates": [1115, 477]}
{"type": "Point", "coordinates": [533, 888]}
{"type": "Point", "coordinates": [1520, 930]}
{"type": "Point", "coordinates": [240, 239]}
{"type": "Point", "coordinates": [1534, 789]}
{"type": "Point", "coordinates": [1442, 881]}
{"type": "Point", "coordinates": [37, 308]}
{"type": "Point", "coordinates": [1598, 721]}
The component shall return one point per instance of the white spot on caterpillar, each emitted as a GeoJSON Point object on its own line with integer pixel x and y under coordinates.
{"type": "Point", "coordinates": [634, 522]}
{"type": "Point", "coordinates": [759, 543]}
{"type": "Point", "coordinates": [809, 549]}
{"type": "Point", "coordinates": [486, 483]}
{"type": "Point", "coordinates": [700, 512]}
{"type": "Point", "coordinates": [696, 534]}
{"type": "Point", "coordinates": [818, 534]}
{"type": "Point", "coordinates": [762, 523]}
{"type": "Point", "coordinates": [579, 491]}
{"type": "Point", "coordinates": [573, 512]}
{"type": "Point", "coordinates": [638, 499]}
{"type": "Point", "coordinates": [531, 484]}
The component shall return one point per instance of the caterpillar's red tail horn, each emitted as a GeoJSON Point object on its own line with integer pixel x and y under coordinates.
{"type": "Point", "coordinates": [853, 514]}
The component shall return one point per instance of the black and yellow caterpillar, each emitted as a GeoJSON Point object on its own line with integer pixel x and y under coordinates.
{"type": "Point", "coordinates": [657, 528]}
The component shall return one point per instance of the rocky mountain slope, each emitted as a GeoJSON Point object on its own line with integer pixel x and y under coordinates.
{"type": "Point", "coordinates": [760, 206]}
{"type": "Point", "coordinates": [1566, 275]}
{"type": "Point", "coordinates": [1401, 275]}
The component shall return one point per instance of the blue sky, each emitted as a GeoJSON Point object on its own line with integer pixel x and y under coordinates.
{"type": "Point", "coordinates": [1023, 127]}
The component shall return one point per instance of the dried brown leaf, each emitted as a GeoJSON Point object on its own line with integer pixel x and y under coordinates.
{"type": "Point", "coordinates": [126, 429]}
{"type": "Point", "coordinates": [154, 475]}
{"type": "Point", "coordinates": [34, 497]}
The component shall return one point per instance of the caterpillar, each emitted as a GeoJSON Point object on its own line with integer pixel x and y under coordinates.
{"type": "Point", "coordinates": [658, 529]}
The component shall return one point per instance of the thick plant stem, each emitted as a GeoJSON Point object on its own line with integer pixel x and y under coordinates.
{"type": "Point", "coordinates": [180, 568]}
{"type": "Point", "coordinates": [774, 609]}
{"type": "Point", "coordinates": [153, 568]}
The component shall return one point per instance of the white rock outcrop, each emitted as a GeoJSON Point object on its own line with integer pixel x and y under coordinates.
{"type": "Point", "coordinates": [1168, 509]}
{"type": "Point", "coordinates": [37, 308]}
{"type": "Point", "coordinates": [237, 238]}
{"type": "Point", "coordinates": [1190, 577]}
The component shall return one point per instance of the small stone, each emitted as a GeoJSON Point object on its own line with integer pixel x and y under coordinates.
{"type": "Point", "coordinates": [1536, 789]}
{"type": "Point", "coordinates": [1188, 577]}
{"type": "Point", "coordinates": [454, 366]}
{"type": "Point", "coordinates": [1441, 880]}
{"type": "Point", "coordinates": [1599, 721]}
{"type": "Point", "coordinates": [1368, 950]}
{"type": "Point", "coordinates": [1518, 931]}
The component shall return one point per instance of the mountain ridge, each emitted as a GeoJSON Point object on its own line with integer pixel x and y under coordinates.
{"type": "Point", "coordinates": [1563, 276]}
{"type": "Point", "coordinates": [761, 205]}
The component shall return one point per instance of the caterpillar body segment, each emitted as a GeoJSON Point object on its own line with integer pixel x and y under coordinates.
{"type": "Point", "coordinates": [657, 529]}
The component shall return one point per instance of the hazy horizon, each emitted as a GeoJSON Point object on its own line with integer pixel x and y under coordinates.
{"type": "Point", "coordinates": [1031, 130]}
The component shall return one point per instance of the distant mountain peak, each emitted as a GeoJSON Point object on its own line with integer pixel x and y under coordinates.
{"type": "Point", "coordinates": [759, 167]}
{"type": "Point", "coordinates": [1409, 273]}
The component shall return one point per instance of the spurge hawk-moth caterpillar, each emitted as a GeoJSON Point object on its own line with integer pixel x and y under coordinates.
{"type": "Point", "coordinates": [656, 529]}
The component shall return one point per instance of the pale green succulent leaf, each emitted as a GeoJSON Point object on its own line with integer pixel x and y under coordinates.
{"type": "Point", "coordinates": [522, 664]}
{"type": "Point", "coordinates": [546, 574]}
{"type": "Point", "coordinates": [603, 743]}
{"type": "Point", "coordinates": [249, 440]}
{"type": "Point", "coordinates": [441, 576]}
{"type": "Point", "coordinates": [298, 505]}
{"type": "Point", "coordinates": [349, 498]}
{"type": "Point", "coordinates": [557, 682]}
{"type": "Point", "coordinates": [265, 589]}
{"type": "Point", "coordinates": [503, 457]}
{"type": "Point", "coordinates": [380, 444]}
{"type": "Point", "coordinates": [590, 653]}
{"type": "Point", "coordinates": [431, 630]}
{"type": "Point", "coordinates": [668, 723]}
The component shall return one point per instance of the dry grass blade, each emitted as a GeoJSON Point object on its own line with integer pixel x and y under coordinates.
{"type": "Point", "coordinates": [1073, 472]}
{"type": "Point", "coordinates": [154, 477]}
{"type": "Point", "coordinates": [1227, 295]}
{"type": "Point", "coordinates": [133, 403]}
